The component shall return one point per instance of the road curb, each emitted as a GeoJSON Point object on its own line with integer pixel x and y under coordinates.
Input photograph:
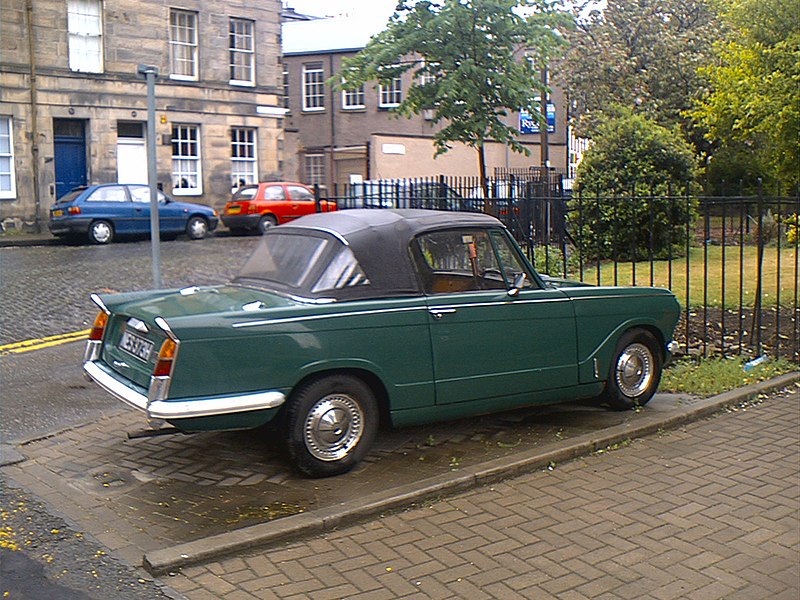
{"type": "Point", "coordinates": [169, 559]}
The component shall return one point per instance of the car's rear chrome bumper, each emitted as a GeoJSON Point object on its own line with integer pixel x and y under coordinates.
{"type": "Point", "coordinates": [181, 409]}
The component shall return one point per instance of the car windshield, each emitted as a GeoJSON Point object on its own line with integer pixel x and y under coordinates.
{"type": "Point", "coordinates": [306, 265]}
{"type": "Point", "coordinates": [284, 259]}
{"type": "Point", "coordinates": [247, 192]}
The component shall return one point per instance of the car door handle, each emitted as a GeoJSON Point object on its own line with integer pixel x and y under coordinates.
{"type": "Point", "coordinates": [438, 313]}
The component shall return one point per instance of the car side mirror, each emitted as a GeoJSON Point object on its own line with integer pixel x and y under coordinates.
{"type": "Point", "coordinates": [519, 283]}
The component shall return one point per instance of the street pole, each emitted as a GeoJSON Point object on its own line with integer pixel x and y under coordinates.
{"type": "Point", "coordinates": [150, 73]}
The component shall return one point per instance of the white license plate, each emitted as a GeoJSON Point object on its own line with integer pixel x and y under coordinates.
{"type": "Point", "coordinates": [138, 346]}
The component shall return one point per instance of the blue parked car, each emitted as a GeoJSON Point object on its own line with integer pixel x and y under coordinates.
{"type": "Point", "coordinates": [103, 212]}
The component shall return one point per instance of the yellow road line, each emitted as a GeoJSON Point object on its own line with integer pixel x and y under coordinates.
{"type": "Point", "coordinates": [45, 342]}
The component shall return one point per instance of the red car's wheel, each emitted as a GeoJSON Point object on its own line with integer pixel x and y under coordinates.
{"type": "Point", "coordinates": [266, 222]}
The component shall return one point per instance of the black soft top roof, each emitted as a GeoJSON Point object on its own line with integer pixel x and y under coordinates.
{"type": "Point", "coordinates": [379, 239]}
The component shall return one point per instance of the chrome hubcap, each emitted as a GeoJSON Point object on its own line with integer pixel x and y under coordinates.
{"type": "Point", "coordinates": [333, 427]}
{"type": "Point", "coordinates": [198, 228]}
{"type": "Point", "coordinates": [634, 370]}
{"type": "Point", "coordinates": [101, 232]}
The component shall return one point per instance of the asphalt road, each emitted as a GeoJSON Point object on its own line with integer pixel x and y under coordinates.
{"type": "Point", "coordinates": [44, 291]}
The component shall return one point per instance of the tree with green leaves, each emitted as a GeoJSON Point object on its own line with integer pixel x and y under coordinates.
{"type": "Point", "coordinates": [640, 54]}
{"type": "Point", "coordinates": [752, 107]}
{"type": "Point", "coordinates": [474, 63]}
{"type": "Point", "coordinates": [625, 183]}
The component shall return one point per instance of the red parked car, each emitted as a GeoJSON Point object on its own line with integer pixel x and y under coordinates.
{"type": "Point", "coordinates": [259, 206]}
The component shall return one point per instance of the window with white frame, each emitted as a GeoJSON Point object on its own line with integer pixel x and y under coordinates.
{"type": "Point", "coordinates": [315, 169]}
{"type": "Point", "coordinates": [243, 156]}
{"type": "Point", "coordinates": [85, 26]}
{"type": "Point", "coordinates": [186, 175]}
{"type": "Point", "coordinates": [352, 99]}
{"type": "Point", "coordinates": [285, 85]}
{"type": "Point", "coordinates": [392, 94]}
{"type": "Point", "coordinates": [183, 44]}
{"type": "Point", "coordinates": [8, 187]}
{"type": "Point", "coordinates": [242, 51]}
{"type": "Point", "coordinates": [425, 77]}
{"type": "Point", "coordinates": [313, 87]}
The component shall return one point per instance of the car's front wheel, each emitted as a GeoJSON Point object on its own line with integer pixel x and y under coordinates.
{"type": "Point", "coordinates": [330, 425]}
{"type": "Point", "coordinates": [101, 232]}
{"type": "Point", "coordinates": [197, 228]}
{"type": "Point", "coordinates": [635, 370]}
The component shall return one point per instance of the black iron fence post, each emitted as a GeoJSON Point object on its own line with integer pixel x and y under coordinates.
{"type": "Point", "coordinates": [757, 317]}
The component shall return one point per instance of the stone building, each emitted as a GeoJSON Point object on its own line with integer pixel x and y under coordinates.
{"type": "Point", "coordinates": [335, 137]}
{"type": "Point", "coordinates": [73, 109]}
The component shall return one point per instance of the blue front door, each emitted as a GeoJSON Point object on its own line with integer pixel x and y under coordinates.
{"type": "Point", "coordinates": [70, 154]}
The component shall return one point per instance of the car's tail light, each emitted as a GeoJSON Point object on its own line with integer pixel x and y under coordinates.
{"type": "Point", "coordinates": [95, 342]}
{"type": "Point", "coordinates": [99, 327]}
{"type": "Point", "coordinates": [74, 210]}
{"type": "Point", "coordinates": [166, 358]}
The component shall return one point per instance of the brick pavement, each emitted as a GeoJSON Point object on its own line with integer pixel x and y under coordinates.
{"type": "Point", "coordinates": [137, 496]}
{"type": "Point", "coordinates": [709, 511]}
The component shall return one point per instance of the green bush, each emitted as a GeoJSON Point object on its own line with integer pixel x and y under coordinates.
{"type": "Point", "coordinates": [549, 260]}
{"type": "Point", "coordinates": [631, 227]}
{"type": "Point", "coordinates": [623, 209]}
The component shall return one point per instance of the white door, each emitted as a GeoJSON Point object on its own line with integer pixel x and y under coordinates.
{"type": "Point", "coordinates": [131, 160]}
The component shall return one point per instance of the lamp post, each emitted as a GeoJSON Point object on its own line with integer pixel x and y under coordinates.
{"type": "Point", "coordinates": [150, 73]}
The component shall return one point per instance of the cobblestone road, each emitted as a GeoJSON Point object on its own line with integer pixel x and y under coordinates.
{"type": "Point", "coordinates": [45, 290]}
{"type": "Point", "coordinates": [708, 512]}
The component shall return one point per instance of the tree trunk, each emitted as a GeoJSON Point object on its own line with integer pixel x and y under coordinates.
{"type": "Point", "coordinates": [484, 181]}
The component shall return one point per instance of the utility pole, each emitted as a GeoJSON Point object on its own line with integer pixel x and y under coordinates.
{"type": "Point", "coordinates": [150, 73]}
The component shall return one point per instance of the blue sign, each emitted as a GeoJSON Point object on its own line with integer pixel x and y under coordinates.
{"type": "Point", "coordinates": [528, 124]}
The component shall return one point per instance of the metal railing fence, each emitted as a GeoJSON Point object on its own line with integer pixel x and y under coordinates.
{"type": "Point", "coordinates": [731, 261]}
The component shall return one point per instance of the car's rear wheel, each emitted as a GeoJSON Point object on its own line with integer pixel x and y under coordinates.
{"type": "Point", "coordinates": [266, 222]}
{"type": "Point", "coordinates": [635, 371]}
{"type": "Point", "coordinates": [330, 424]}
{"type": "Point", "coordinates": [197, 228]}
{"type": "Point", "coordinates": [101, 232]}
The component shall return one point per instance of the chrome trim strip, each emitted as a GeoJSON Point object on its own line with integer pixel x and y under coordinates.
{"type": "Point", "coordinates": [357, 313]}
{"type": "Point", "coordinates": [164, 326]}
{"type": "Point", "coordinates": [332, 232]}
{"type": "Point", "coordinates": [183, 409]}
{"type": "Point", "coordinates": [612, 297]}
{"type": "Point", "coordinates": [159, 388]}
{"type": "Point", "coordinates": [138, 325]}
{"type": "Point", "coordinates": [92, 350]}
{"type": "Point", "coordinates": [509, 302]}
{"type": "Point", "coordinates": [361, 313]}
{"type": "Point", "coordinates": [96, 299]}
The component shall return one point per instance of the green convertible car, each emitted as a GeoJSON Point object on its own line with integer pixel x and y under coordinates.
{"type": "Point", "coordinates": [342, 322]}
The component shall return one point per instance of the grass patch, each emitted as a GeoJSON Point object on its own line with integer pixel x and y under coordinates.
{"type": "Point", "coordinates": [716, 375]}
{"type": "Point", "coordinates": [725, 284]}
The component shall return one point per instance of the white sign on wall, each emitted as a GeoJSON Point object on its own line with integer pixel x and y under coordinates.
{"type": "Point", "coordinates": [393, 149]}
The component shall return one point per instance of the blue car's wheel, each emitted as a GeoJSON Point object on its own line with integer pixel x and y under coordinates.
{"type": "Point", "coordinates": [635, 370]}
{"type": "Point", "coordinates": [330, 425]}
{"type": "Point", "coordinates": [197, 228]}
{"type": "Point", "coordinates": [101, 232]}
